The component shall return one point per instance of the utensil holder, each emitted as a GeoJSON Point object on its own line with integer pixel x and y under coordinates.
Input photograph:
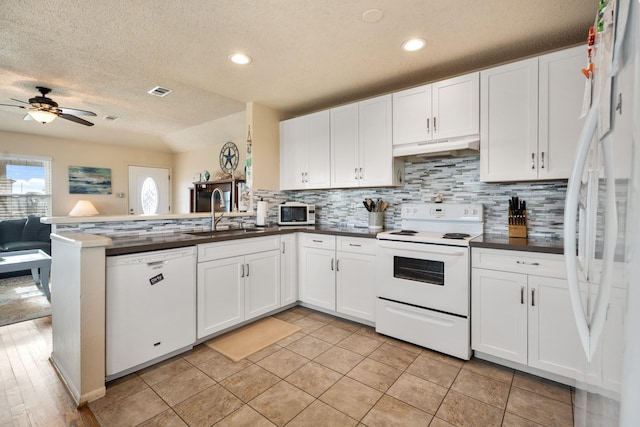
{"type": "Point", "coordinates": [376, 220]}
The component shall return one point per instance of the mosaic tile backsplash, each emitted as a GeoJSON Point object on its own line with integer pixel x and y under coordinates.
{"type": "Point", "coordinates": [456, 178]}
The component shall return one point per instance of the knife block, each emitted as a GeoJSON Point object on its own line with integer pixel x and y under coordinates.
{"type": "Point", "coordinates": [518, 226]}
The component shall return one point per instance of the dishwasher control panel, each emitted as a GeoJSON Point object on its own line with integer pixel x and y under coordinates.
{"type": "Point", "coordinates": [150, 257]}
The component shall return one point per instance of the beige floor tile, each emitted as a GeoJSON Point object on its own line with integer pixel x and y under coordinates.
{"type": "Point", "coordinates": [339, 359]}
{"type": "Point", "coordinates": [389, 411]}
{"type": "Point", "coordinates": [351, 397]}
{"type": "Point", "coordinates": [163, 370]}
{"type": "Point", "coordinates": [208, 406]}
{"type": "Point", "coordinates": [375, 374]}
{"type": "Point", "coordinates": [321, 317]}
{"type": "Point", "coordinates": [417, 392]}
{"type": "Point", "coordinates": [464, 411]}
{"type": "Point", "coordinates": [308, 325]}
{"type": "Point", "coordinates": [182, 386]}
{"type": "Point", "coordinates": [245, 416]}
{"type": "Point", "coordinates": [249, 382]}
{"type": "Point", "coordinates": [220, 367]}
{"type": "Point", "coordinates": [319, 414]}
{"type": "Point", "coordinates": [314, 378]}
{"type": "Point", "coordinates": [331, 334]}
{"type": "Point", "coordinates": [542, 386]}
{"type": "Point", "coordinates": [370, 332]}
{"type": "Point", "coordinates": [199, 354]}
{"type": "Point", "coordinates": [395, 356]}
{"type": "Point", "coordinates": [433, 370]}
{"type": "Point", "coordinates": [291, 338]}
{"type": "Point", "coordinates": [281, 403]}
{"type": "Point", "coordinates": [360, 344]}
{"type": "Point", "coordinates": [437, 422]}
{"type": "Point", "coordinates": [490, 370]}
{"type": "Point", "coordinates": [309, 346]}
{"type": "Point", "coordinates": [288, 316]}
{"type": "Point", "coordinates": [302, 310]}
{"type": "Point", "coordinates": [538, 408]}
{"type": "Point", "coordinates": [119, 389]}
{"type": "Point", "coordinates": [512, 420]}
{"type": "Point", "coordinates": [131, 411]}
{"type": "Point", "coordinates": [283, 362]}
{"type": "Point", "coordinates": [347, 325]}
{"type": "Point", "coordinates": [441, 357]}
{"type": "Point", "coordinates": [405, 345]}
{"type": "Point", "coordinates": [482, 388]}
{"type": "Point", "coordinates": [267, 351]}
{"type": "Point", "coordinates": [167, 418]}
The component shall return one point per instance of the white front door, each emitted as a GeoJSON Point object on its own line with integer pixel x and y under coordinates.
{"type": "Point", "coordinates": [148, 191]}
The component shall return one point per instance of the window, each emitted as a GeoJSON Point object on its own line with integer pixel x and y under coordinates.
{"type": "Point", "coordinates": [149, 196]}
{"type": "Point", "coordinates": [25, 186]}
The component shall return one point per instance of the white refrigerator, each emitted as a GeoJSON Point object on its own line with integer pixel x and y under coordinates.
{"type": "Point", "coordinates": [602, 224]}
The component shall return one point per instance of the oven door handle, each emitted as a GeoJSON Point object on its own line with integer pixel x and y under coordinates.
{"type": "Point", "coordinates": [424, 249]}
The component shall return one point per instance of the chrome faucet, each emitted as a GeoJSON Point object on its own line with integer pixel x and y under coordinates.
{"type": "Point", "coordinates": [214, 221]}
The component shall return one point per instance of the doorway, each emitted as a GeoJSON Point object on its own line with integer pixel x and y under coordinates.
{"type": "Point", "coordinates": [148, 191]}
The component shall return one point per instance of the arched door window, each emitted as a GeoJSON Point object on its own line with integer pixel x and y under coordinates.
{"type": "Point", "coordinates": [149, 196]}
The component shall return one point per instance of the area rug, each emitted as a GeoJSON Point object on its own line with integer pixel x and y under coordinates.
{"type": "Point", "coordinates": [243, 342]}
{"type": "Point", "coordinates": [21, 299]}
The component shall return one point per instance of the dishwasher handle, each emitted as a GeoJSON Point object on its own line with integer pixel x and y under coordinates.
{"type": "Point", "coordinates": [157, 264]}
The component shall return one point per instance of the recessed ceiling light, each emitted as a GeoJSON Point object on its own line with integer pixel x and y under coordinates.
{"type": "Point", "coordinates": [240, 58]}
{"type": "Point", "coordinates": [413, 45]}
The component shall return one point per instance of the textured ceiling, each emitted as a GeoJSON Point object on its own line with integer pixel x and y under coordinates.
{"type": "Point", "coordinates": [104, 55]}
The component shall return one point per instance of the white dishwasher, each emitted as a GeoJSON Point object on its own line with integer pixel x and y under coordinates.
{"type": "Point", "coordinates": [150, 307]}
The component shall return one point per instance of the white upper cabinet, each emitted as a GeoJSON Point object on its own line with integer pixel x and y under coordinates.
{"type": "Point", "coordinates": [361, 145]}
{"type": "Point", "coordinates": [305, 152]}
{"type": "Point", "coordinates": [530, 117]}
{"type": "Point", "coordinates": [442, 110]}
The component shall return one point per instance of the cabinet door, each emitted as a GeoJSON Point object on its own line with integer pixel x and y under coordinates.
{"type": "Point", "coordinates": [344, 146]}
{"type": "Point", "coordinates": [288, 269]}
{"type": "Point", "coordinates": [456, 107]}
{"type": "Point", "coordinates": [554, 344]}
{"type": "Point", "coordinates": [220, 295]}
{"type": "Point", "coordinates": [376, 147]}
{"type": "Point", "coordinates": [355, 285]}
{"type": "Point", "coordinates": [317, 277]}
{"type": "Point", "coordinates": [318, 150]}
{"type": "Point", "coordinates": [499, 314]}
{"type": "Point", "coordinates": [261, 283]}
{"type": "Point", "coordinates": [561, 93]}
{"type": "Point", "coordinates": [293, 153]}
{"type": "Point", "coordinates": [509, 122]}
{"type": "Point", "coordinates": [412, 115]}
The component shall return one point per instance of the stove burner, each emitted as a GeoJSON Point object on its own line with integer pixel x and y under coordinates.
{"type": "Point", "coordinates": [457, 236]}
{"type": "Point", "coordinates": [404, 232]}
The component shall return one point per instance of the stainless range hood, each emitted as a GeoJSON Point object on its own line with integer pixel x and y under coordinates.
{"type": "Point", "coordinates": [452, 147]}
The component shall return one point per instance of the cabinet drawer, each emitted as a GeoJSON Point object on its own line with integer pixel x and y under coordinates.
{"type": "Point", "coordinates": [357, 245]}
{"type": "Point", "coordinates": [323, 241]}
{"type": "Point", "coordinates": [540, 264]}
{"type": "Point", "coordinates": [231, 248]}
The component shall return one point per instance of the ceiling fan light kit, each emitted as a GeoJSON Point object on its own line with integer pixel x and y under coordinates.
{"type": "Point", "coordinates": [45, 110]}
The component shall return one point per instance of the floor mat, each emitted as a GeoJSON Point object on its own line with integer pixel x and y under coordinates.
{"type": "Point", "coordinates": [238, 344]}
{"type": "Point", "coordinates": [21, 299]}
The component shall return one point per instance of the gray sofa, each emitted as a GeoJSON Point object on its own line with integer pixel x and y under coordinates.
{"type": "Point", "coordinates": [24, 233]}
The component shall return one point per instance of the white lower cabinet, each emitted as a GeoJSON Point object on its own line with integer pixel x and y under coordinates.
{"type": "Point", "coordinates": [237, 281]}
{"type": "Point", "coordinates": [523, 317]}
{"type": "Point", "coordinates": [337, 274]}
{"type": "Point", "coordinates": [288, 269]}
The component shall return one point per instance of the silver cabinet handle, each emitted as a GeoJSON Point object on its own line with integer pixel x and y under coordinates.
{"type": "Point", "coordinates": [527, 263]}
{"type": "Point", "coordinates": [533, 297]}
{"type": "Point", "coordinates": [533, 160]}
{"type": "Point", "coordinates": [317, 241]}
{"type": "Point", "coordinates": [242, 274]}
{"type": "Point", "coordinates": [337, 265]}
{"type": "Point", "coordinates": [355, 172]}
{"type": "Point", "coordinates": [354, 244]}
{"type": "Point", "coordinates": [521, 294]}
{"type": "Point", "coordinates": [542, 160]}
{"type": "Point", "coordinates": [283, 247]}
{"type": "Point", "coordinates": [247, 270]}
{"type": "Point", "coordinates": [360, 177]}
{"type": "Point", "coordinates": [428, 119]}
{"type": "Point", "coordinates": [302, 177]}
{"type": "Point", "coordinates": [331, 264]}
{"type": "Point", "coordinates": [435, 127]}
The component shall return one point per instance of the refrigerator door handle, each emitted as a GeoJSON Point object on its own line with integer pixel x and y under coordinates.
{"type": "Point", "coordinates": [590, 332]}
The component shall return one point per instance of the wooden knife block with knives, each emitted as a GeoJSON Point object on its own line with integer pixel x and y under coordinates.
{"type": "Point", "coordinates": [517, 218]}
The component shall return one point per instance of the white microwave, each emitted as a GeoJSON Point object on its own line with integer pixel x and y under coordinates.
{"type": "Point", "coordinates": [293, 213]}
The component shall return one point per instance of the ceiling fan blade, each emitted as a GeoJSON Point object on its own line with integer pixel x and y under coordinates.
{"type": "Point", "coordinates": [17, 100]}
{"type": "Point", "coordinates": [11, 105]}
{"type": "Point", "coordinates": [76, 112]}
{"type": "Point", "coordinates": [74, 119]}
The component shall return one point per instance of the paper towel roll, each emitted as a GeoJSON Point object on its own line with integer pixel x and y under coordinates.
{"type": "Point", "coordinates": [261, 214]}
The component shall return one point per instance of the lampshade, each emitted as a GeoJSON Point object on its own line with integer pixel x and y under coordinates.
{"type": "Point", "coordinates": [83, 208]}
{"type": "Point", "coordinates": [42, 116]}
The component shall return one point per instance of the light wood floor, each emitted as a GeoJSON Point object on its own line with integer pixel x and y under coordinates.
{"type": "Point", "coordinates": [30, 392]}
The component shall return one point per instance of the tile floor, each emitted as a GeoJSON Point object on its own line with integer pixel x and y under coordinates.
{"type": "Point", "coordinates": [332, 373]}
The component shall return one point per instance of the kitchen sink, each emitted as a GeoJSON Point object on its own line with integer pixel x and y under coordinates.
{"type": "Point", "coordinates": [227, 232]}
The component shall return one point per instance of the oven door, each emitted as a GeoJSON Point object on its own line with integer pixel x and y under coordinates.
{"type": "Point", "coordinates": [424, 275]}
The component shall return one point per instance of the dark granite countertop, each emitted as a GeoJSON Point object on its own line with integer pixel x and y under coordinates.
{"type": "Point", "coordinates": [531, 244]}
{"type": "Point", "coordinates": [122, 245]}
